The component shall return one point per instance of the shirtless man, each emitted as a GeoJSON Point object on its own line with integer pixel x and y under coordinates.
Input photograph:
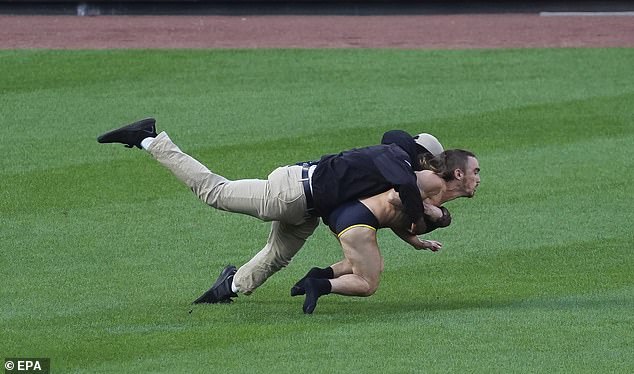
{"type": "Point", "coordinates": [457, 174]}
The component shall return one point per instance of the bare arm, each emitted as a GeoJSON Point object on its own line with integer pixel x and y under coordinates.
{"type": "Point", "coordinates": [411, 238]}
{"type": "Point", "coordinates": [386, 207]}
{"type": "Point", "coordinates": [416, 242]}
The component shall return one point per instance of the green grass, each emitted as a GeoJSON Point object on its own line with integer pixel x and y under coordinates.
{"type": "Point", "coordinates": [102, 250]}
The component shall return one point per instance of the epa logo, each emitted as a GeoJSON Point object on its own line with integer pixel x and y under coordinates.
{"type": "Point", "coordinates": [27, 365]}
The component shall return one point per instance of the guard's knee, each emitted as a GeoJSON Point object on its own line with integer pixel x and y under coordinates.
{"type": "Point", "coordinates": [279, 259]}
{"type": "Point", "coordinates": [278, 263]}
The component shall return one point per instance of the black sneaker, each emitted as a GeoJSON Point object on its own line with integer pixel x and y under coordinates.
{"type": "Point", "coordinates": [131, 135]}
{"type": "Point", "coordinates": [220, 291]}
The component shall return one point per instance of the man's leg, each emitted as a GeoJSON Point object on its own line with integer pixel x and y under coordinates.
{"type": "Point", "coordinates": [286, 205]}
{"type": "Point", "coordinates": [362, 252]}
{"type": "Point", "coordinates": [287, 236]}
{"type": "Point", "coordinates": [284, 242]}
{"type": "Point", "coordinates": [248, 196]}
{"type": "Point", "coordinates": [333, 271]}
{"type": "Point", "coordinates": [280, 198]}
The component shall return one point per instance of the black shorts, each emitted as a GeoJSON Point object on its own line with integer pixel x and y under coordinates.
{"type": "Point", "coordinates": [350, 215]}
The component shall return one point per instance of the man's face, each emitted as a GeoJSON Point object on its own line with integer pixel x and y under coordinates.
{"type": "Point", "coordinates": [471, 178]}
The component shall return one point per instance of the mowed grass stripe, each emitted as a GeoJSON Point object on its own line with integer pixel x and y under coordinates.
{"type": "Point", "coordinates": [564, 123]}
{"type": "Point", "coordinates": [224, 97]}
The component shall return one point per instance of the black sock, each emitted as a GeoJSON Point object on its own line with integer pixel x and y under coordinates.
{"type": "Point", "coordinates": [314, 289]}
{"type": "Point", "coordinates": [325, 273]}
{"type": "Point", "coordinates": [323, 286]}
{"type": "Point", "coordinates": [317, 273]}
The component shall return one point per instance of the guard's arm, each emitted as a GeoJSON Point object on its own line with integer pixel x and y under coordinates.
{"type": "Point", "coordinates": [399, 173]}
{"type": "Point", "coordinates": [432, 224]}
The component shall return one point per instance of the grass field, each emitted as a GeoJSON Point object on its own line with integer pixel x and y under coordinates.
{"type": "Point", "coordinates": [102, 250]}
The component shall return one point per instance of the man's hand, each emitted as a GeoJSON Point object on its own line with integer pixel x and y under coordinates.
{"type": "Point", "coordinates": [419, 244]}
{"type": "Point", "coordinates": [416, 242]}
{"type": "Point", "coordinates": [432, 245]}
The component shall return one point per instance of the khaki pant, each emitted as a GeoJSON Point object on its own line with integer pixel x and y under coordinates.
{"type": "Point", "coordinates": [280, 199]}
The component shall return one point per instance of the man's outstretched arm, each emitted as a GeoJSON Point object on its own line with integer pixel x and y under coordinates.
{"type": "Point", "coordinates": [416, 242]}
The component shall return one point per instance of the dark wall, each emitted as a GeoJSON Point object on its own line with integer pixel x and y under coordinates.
{"type": "Point", "coordinates": [344, 7]}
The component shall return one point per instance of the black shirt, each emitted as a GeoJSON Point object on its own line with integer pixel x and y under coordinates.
{"type": "Point", "coordinates": [365, 172]}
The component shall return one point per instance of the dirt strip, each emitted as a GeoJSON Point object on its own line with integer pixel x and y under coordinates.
{"type": "Point", "coordinates": [416, 31]}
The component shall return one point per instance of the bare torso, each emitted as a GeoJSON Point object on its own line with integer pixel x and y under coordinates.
{"type": "Point", "coordinates": [387, 206]}
{"type": "Point", "coordinates": [387, 209]}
